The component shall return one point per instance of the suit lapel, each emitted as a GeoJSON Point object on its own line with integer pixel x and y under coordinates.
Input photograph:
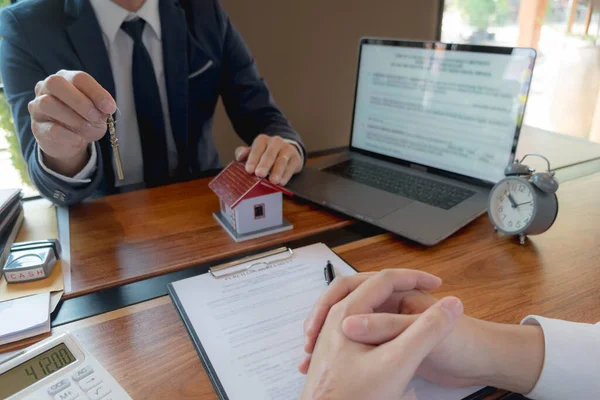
{"type": "Point", "coordinates": [86, 36]}
{"type": "Point", "coordinates": [175, 56]}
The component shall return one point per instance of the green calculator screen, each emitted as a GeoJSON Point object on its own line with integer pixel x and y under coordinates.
{"type": "Point", "coordinates": [32, 370]}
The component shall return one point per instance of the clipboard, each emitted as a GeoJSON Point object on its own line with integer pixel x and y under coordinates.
{"type": "Point", "coordinates": [208, 367]}
{"type": "Point", "coordinates": [232, 269]}
{"type": "Point", "coordinates": [227, 270]}
{"type": "Point", "coordinates": [222, 271]}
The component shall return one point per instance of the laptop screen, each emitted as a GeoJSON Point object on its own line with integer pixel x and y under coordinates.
{"type": "Point", "coordinates": [456, 108]}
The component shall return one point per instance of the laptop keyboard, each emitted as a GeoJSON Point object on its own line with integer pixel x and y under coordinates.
{"type": "Point", "coordinates": [414, 187]}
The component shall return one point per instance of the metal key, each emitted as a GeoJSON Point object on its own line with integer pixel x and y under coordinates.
{"type": "Point", "coordinates": [114, 142]}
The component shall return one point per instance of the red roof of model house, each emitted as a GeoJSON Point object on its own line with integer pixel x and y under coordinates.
{"type": "Point", "coordinates": [234, 184]}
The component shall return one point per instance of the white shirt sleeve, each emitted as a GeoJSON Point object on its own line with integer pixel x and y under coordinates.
{"type": "Point", "coordinates": [572, 360]}
{"type": "Point", "coordinates": [298, 147]}
{"type": "Point", "coordinates": [83, 176]}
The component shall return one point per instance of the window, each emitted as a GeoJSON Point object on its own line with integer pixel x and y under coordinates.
{"type": "Point", "coordinates": [565, 89]}
{"type": "Point", "coordinates": [12, 166]}
{"type": "Point", "coordinates": [259, 211]}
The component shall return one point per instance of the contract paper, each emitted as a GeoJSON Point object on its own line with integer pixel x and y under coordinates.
{"type": "Point", "coordinates": [251, 325]}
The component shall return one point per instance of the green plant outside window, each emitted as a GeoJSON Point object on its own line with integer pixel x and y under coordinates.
{"type": "Point", "coordinates": [10, 152]}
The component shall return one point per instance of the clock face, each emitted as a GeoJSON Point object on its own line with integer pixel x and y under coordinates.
{"type": "Point", "coordinates": [512, 205]}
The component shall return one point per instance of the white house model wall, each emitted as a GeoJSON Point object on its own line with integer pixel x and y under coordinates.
{"type": "Point", "coordinates": [256, 213]}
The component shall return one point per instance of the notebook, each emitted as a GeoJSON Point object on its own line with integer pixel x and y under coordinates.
{"type": "Point", "coordinates": [8, 197]}
{"type": "Point", "coordinates": [7, 216]}
{"type": "Point", "coordinates": [245, 320]}
{"type": "Point", "coordinates": [9, 233]}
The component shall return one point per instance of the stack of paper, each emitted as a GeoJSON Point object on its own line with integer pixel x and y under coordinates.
{"type": "Point", "coordinates": [25, 307]}
{"type": "Point", "coordinates": [24, 317]}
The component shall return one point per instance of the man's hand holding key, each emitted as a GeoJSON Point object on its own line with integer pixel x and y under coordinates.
{"type": "Point", "coordinates": [69, 112]}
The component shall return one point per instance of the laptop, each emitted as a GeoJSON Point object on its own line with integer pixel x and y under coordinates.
{"type": "Point", "coordinates": [433, 127]}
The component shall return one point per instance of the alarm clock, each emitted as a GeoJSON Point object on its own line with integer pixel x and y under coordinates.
{"type": "Point", "coordinates": [524, 202]}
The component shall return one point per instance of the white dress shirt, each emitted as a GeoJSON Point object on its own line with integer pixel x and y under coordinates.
{"type": "Point", "coordinates": [572, 361]}
{"type": "Point", "coordinates": [119, 46]}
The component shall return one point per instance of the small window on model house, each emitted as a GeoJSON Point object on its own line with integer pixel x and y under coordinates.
{"type": "Point", "coordinates": [259, 211]}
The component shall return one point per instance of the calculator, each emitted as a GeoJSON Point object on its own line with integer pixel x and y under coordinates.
{"type": "Point", "coordinates": [58, 368]}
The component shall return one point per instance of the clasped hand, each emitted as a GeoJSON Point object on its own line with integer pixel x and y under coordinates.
{"type": "Point", "coordinates": [374, 366]}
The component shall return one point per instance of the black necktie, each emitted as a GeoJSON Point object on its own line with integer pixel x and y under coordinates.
{"type": "Point", "coordinates": [151, 122]}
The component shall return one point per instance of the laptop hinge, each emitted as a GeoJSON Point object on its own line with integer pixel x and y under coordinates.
{"type": "Point", "coordinates": [421, 168]}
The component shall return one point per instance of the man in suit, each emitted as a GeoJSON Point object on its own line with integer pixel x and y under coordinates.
{"type": "Point", "coordinates": [159, 67]}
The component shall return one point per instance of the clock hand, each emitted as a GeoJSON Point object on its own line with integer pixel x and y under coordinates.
{"type": "Point", "coordinates": [512, 201]}
{"type": "Point", "coordinates": [522, 204]}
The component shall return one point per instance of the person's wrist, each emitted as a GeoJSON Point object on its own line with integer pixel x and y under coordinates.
{"type": "Point", "coordinates": [67, 166]}
{"type": "Point", "coordinates": [461, 359]}
{"type": "Point", "coordinates": [515, 356]}
{"type": "Point", "coordinates": [481, 352]}
{"type": "Point", "coordinates": [476, 361]}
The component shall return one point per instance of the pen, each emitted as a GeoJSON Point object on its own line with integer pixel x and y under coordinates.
{"type": "Point", "coordinates": [329, 272]}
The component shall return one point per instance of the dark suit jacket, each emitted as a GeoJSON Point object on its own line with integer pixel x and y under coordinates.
{"type": "Point", "coordinates": [41, 37]}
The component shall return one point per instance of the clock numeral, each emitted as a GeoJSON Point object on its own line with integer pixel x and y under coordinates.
{"type": "Point", "coordinates": [501, 199]}
{"type": "Point", "coordinates": [526, 220]}
{"type": "Point", "coordinates": [500, 209]}
{"type": "Point", "coordinates": [522, 188]}
{"type": "Point", "coordinates": [503, 217]}
{"type": "Point", "coordinates": [510, 224]}
{"type": "Point", "coordinates": [519, 224]}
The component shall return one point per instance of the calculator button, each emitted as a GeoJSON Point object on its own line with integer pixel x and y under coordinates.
{"type": "Point", "coordinates": [99, 392]}
{"type": "Point", "coordinates": [89, 382]}
{"type": "Point", "coordinates": [82, 373]}
{"type": "Point", "coordinates": [69, 394]}
{"type": "Point", "coordinates": [59, 386]}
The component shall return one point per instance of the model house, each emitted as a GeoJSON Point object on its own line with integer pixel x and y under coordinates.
{"type": "Point", "coordinates": [250, 206]}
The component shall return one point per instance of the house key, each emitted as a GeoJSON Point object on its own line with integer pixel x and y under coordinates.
{"type": "Point", "coordinates": [114, 142]}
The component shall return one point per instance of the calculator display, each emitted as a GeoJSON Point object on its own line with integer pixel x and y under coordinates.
{"type": "Point", "coordinates": [35, 369]}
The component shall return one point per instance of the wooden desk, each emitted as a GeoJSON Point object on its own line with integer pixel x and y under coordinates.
{"type": "Point", "coordinates": [557, 274]}
{"type": "Point", "coordinates": [131, 236]}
